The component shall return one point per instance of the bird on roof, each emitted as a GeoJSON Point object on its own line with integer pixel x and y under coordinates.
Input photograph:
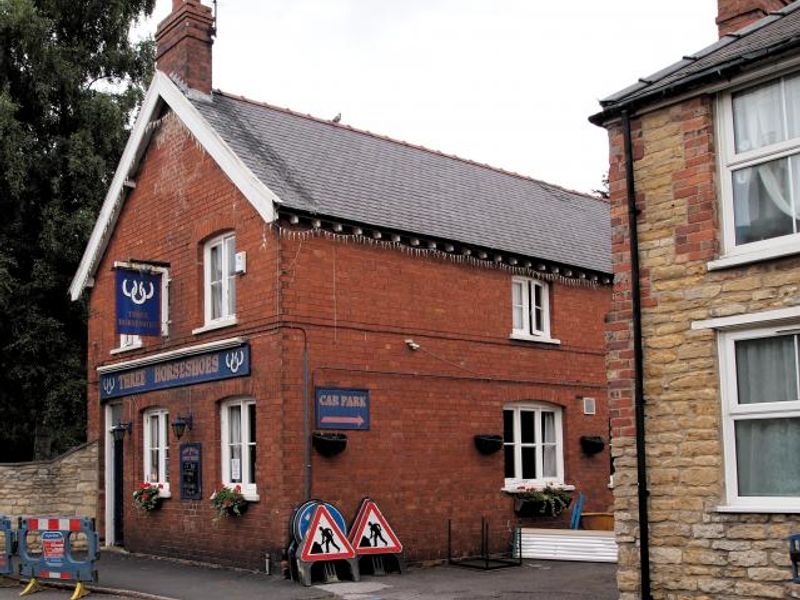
{"type": "Point", "coordinates": [337, 118]}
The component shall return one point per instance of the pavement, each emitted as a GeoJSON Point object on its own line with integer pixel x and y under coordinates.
{"type": "Point", "coordinates": [149, 578]}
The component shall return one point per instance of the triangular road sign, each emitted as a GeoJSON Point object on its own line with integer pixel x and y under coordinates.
{"type": "Point", "coordinates": [371, 534]}
{"type": "Point", "coordinates": [324, 539]}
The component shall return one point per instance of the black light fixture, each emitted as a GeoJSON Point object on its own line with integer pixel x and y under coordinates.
{"type": "Point", "coordinates": [181, 424]}
{"type": "Point", "coordinates": [118, 430]}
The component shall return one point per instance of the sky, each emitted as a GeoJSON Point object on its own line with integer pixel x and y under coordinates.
{"type": "Point", "coordinates": [509, 83]}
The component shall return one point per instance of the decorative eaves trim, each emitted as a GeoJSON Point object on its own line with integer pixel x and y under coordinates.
{"type": "Point", "coordinates": [162, 89]}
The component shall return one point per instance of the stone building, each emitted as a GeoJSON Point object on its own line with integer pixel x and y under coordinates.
{"type": "Point", "coordinates": [703, 327]}
{"type": "Point", "coordinates": [287, 270]}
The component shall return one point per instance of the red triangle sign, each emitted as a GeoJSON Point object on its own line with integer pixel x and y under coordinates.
{"type": "Point", "coordinates": [371, 533]}
{"type": "Point", "coordinates": [324, 540]}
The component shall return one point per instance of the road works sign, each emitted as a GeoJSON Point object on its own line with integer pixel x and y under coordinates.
{"type": "Point", "coordinates": [338, 408]}
{"type": "Point", "coordinates": [371, 533]}
{"type": "Point", "coordinates": [324, 540]}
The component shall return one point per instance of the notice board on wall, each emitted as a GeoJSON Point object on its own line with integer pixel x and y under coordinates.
{"type": "Point", "coordinates": [191, 471]}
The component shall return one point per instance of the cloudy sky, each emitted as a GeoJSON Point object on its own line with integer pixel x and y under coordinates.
{"type": "Point", "coordinates": [506, 82]}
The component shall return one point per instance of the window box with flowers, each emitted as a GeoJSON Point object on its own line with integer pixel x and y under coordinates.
{"type": "Point", "coordinates": [147, 496]}
{"type": "Point", "coordinates": [540, 501]}
{"type": "Point", "coordinates": [228, 502]}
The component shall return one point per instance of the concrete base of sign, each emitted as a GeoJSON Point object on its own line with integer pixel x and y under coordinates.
{"type": "Point", "coordinates": [327, 571]}
{"type": "Point", "coordinates": [381, 564]}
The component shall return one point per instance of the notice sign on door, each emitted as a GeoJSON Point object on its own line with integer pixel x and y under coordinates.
{"type": "Point", "coordinates": [338, 408]}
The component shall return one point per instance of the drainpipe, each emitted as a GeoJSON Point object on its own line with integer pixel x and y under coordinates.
{"type": "Point", "coordinates": [636, 301]}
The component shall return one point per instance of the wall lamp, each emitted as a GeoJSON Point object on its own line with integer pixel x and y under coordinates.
{"type": "Point", "coordinates": [118, 430]}
{"type": "Point", "coordinates": [181, 424]}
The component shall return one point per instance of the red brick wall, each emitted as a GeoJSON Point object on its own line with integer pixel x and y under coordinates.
{"type": "Point", "coordinates": [358, 304]}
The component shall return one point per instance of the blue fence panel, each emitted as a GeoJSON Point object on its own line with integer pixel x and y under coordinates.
{"type": "Point", "coordinates": [7, 549]}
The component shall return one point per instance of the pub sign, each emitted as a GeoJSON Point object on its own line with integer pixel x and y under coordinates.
{"type": "Point", "coordinates": [138, 302]}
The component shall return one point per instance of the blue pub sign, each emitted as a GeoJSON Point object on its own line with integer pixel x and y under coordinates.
{"type": "Point", "coordinates": [339, 408]}
{"type": "Point", "coordinates": [189, 370]}
{"type": "Point", "coordinates": [138, 302]}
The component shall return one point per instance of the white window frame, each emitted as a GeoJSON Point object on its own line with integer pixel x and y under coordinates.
{"type": "Point", "coordinates": [528, 331]}
{"type": "Point", "coordinates": [537, 408]}
{"type": "Point", "coordinates": [732, 411]}
{"type": "Point", "coordinates": [128, 342]}
{"type": "Point", "coordinates": [728, 162]}
{"type": "Point", "coordinates": [162, 415]}
{"type": "Point", "coordinates": [249, 488]}
{"type": "Point", "coordinates": [226, 318]}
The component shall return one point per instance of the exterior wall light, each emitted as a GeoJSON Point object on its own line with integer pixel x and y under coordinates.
{"type": "Point", "coordinates": [118, 430]}
{"type": "Point", "coordinates": [181, 424]}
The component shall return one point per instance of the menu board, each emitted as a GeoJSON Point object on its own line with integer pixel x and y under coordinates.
{"type": "Point", "coordinates": [191, 470]}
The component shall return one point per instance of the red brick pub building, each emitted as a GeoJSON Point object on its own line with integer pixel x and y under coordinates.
{"type": "Point", "coordinates": [311, 276]}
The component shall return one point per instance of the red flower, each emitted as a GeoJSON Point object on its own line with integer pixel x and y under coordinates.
{"type": "Point", "coordinates": [160, 486]}
{"type": "Point", "coordinates": [238, 488]}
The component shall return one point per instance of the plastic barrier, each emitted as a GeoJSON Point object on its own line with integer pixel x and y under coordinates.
{"type": "Point", "coordinates": [6, 552]}
{"type": "Point", "coordinates": [56, 560]}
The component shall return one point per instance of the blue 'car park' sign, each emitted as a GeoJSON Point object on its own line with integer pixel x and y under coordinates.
{"type": "Point", "coordinates": [138, 302]}
{"type": "Point", "coordinates": [338, 408]}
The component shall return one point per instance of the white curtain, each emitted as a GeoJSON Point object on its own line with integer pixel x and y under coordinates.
{"type": "Point", "coordinates": [766, 457]}
{"type": "Point", "coordinates": [760, 119]}
{"type": "Point", "coordinates": [549, 468]}
{"type": "Point", "coordinates": [767, 449]}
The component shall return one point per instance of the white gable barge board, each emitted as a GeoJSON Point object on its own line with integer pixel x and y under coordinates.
{"type": "Point", "coordinates": [568, 544]}
{"type": "Point", "coordinates": [162, 89]}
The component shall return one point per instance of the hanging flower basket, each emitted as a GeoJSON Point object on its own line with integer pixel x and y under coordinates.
{"type": "Point", "coordinates": [329, 444]}
{"type": "Point", "coordinates": [228, 502]}
{"type": "Point", "coordinates": [146, 497]}
{"type": "Point", "coordinates": [548, 501]}
{"type": "Point", "coordinates": [488, 443]}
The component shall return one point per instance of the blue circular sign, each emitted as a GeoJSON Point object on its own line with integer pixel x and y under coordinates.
{"type": "Point", "coordinates": [306, 512]}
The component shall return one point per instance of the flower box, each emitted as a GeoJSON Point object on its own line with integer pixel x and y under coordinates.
{"type": "Point", "coordinates": [329, 444]}
{"type": "Point", "coordinates": [488, 443]}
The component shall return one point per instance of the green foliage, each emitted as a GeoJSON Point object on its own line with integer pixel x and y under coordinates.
{"type": "Point", "coordinates": [70, 80]}
{"type": "Point", "coordinates": [549, 500]}
{"type": "Point", "coordinates": [146, 497]}
{"type": "Point", "coordinates": [228, 502]}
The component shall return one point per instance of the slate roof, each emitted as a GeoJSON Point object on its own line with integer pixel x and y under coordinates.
{"type": "Point", "coordinates": [336, 171]}
{"type": "Point", "coordinates": [766, 39]}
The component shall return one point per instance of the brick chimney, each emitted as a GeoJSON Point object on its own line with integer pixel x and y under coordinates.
{"type": "Point", "coordinates": [183, 44]}
{"type": "Point", "coordinates": [733, 15]}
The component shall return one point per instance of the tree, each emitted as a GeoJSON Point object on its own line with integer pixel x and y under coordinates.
{"type": "Point", "coordinates": [70, 79]}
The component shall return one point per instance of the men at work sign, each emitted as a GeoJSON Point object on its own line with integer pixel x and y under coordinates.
{"type": "Point", "coordinates": [138, 302]}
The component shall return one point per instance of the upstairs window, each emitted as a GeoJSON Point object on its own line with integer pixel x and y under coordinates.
{"type": "Point", "coordinates": [760, 177]}
{"type": "Point", "coordinates": [530, 308]}
{"type": "Point", "coordinates": [156, 448]}
{"type": "Point", "coordinates": [220, 280]}
{"type": "Point", "coordinates": [533, 444]}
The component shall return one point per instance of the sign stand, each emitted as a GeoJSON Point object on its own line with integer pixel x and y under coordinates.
{"type": "Point", "coordinates": [377, 546]}
{"type": "Point", "coordinates": [325, 543]}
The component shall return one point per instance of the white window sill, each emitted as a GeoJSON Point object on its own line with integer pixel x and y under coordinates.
{"type": "Point", "coordinates": [218, 324]}
{"type": "Point", "coordinates": [536, 486]}
{"type": "Point", "coordinates": [787, 510]}
{"type": "Point", "coordinates": [126, 349]}
{"type": "Point", "coordinates": [164, 493]}
{"type": "Point", "coordinates": [534, 338]}
{"type": "Point", "coordinates": [735, 259]}
{"type": "Point", "coordinates": [250, 494]}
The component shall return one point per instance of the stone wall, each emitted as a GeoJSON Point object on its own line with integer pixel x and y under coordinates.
{"type": "Point", "coordinates": [66, 485]}
{"type": "Point", "coordinates": [696, 551]}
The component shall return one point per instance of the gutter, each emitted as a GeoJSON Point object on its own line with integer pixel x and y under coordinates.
{"type": "Point", "coordinates": [638, 359]}
{"type": "Point", "coordinates": [713, 73]}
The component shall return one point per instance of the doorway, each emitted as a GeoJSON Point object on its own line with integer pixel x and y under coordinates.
{"type": "Point", "coordinates": [114, 490]}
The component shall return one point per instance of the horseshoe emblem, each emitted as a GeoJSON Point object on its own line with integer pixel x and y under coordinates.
{"type": "Point", "coordinates": [234, 360]}
{"type": "Point", "coordinates": [137, 293]}
{"type": "Point", "coordinates": [109, 385]}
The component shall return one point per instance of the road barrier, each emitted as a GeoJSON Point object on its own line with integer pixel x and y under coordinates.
{"type": "Point", "coordinates": [56, 559]}
{"type": "Point", "coordinates": [6, 551]}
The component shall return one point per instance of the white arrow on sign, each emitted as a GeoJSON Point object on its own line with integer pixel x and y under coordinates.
{"type": "Point", "coordinates": [359, 420]}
